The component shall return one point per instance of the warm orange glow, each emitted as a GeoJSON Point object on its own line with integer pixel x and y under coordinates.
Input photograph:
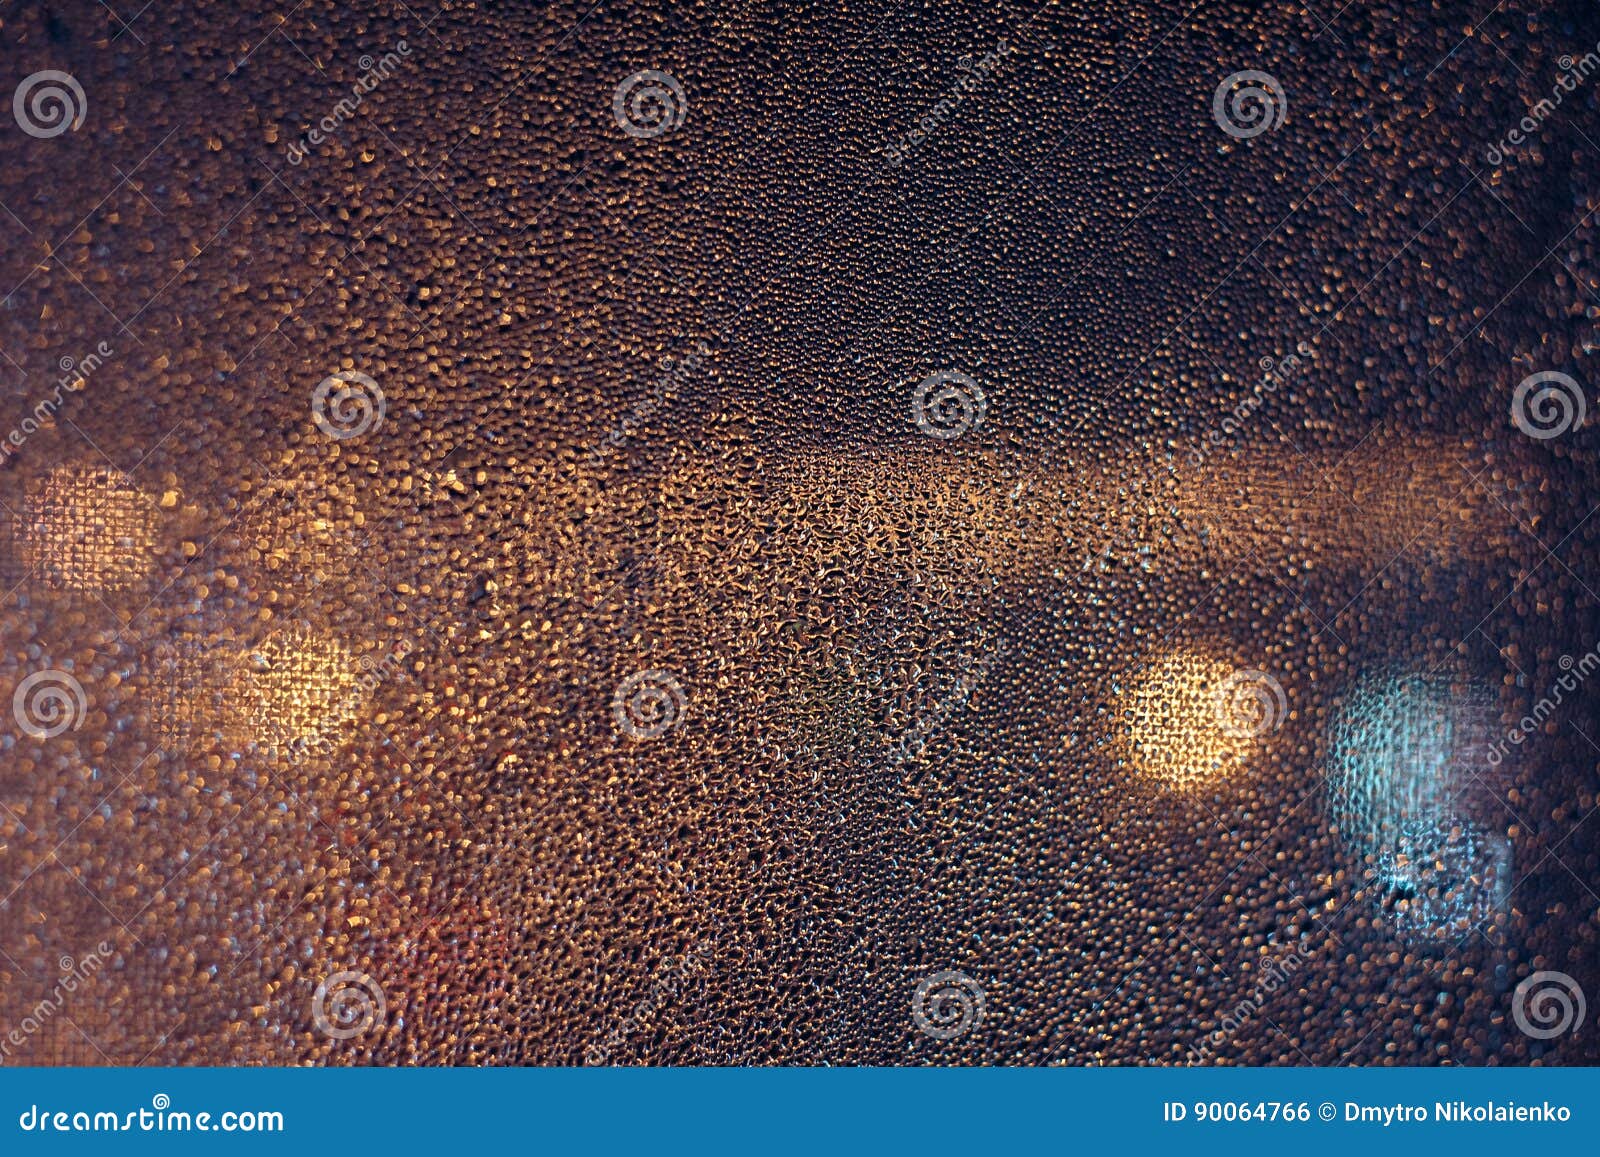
{"type": "Point", "coordinates": [1176, 733]}
{"type": "Point", "coordinates": [88, 529]}
{"type": "Point", "coordinates": [298, 689]}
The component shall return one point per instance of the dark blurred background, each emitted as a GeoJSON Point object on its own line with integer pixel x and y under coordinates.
{"type": "Point", "coordinates": [761, 582]}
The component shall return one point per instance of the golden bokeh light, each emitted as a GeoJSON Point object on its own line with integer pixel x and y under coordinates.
{"type": "Point", "coordinates": [1177, 733]}
{"type": "Point", "coordinates": [293, 692]}
{"type": "Point", "coordinates": [88, 530]}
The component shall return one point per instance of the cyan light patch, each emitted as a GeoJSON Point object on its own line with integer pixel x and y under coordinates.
{"type": "Point", "coordinates": [1407, 753]}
